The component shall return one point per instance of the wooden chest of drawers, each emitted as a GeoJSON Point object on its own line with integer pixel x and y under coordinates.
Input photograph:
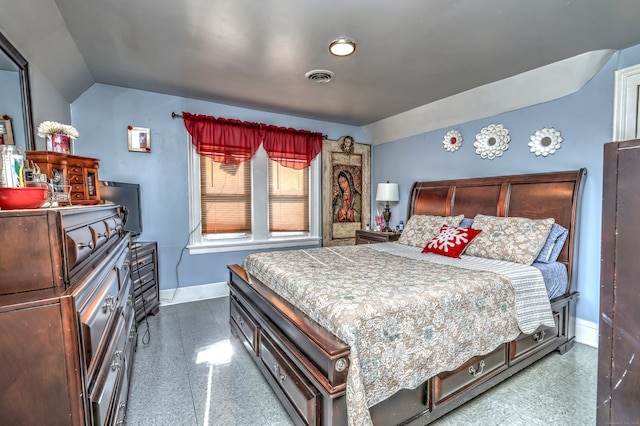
{"type": "Point", "coordinates": [80, 173]}
{"type": "Point", "coordinates": [66, 316]}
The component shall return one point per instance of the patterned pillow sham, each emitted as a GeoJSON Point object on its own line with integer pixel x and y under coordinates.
{"type": "Point", "coordinates": [514, 239]}
{"type": "Point", "coordinates": [553, 244]}
{"type": "Point", "coordinates": [420, 229]}
{"type": "Point", "coordinates": [451, 241]}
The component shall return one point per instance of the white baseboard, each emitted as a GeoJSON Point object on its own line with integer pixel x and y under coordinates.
{"type": "Point", "coordinates": [193, 293]}
{"type": "Point", "coordinates": [587, 332]}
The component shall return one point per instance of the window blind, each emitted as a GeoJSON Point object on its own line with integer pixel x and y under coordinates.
{"type": "Point", "coordinates": [288, 199]}
{"type": "Point", "coordinates": [225, 196]}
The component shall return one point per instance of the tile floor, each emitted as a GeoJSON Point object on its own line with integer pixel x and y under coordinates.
{"type": "Point", "coordinates": [193, 371]}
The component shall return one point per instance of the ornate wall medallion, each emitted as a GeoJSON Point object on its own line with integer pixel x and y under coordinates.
{"type": "Point", "coordinates": [545, 141]}
{"type": "Point", "coordinates": [492, 141]}
{"type": "Point", "coordinates": [346, 144]}
{"type": "Point", "coordinates": [452, 140]}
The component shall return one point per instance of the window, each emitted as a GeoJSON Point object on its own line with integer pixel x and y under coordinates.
{"type": "Point", "coordinates": [256, 204]}
{"type": "Point", "coordinates": [288, 199]}
{"type": "Point", "coordinates": [225, 197]}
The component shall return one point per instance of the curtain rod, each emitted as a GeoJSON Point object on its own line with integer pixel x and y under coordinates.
{"type": "Point", "coordinates": [174, 115]}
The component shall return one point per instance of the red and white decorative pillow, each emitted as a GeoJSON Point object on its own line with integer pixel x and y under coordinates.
{"type": "Point", "coordinates": [451, 241]}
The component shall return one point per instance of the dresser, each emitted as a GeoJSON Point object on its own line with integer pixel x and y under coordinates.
{"type": "Point", "coordinates": [619, 326]}
{"type": "Point", "coordinates": [144, 274]}
{"type": "Point", "coordinates": [66, 316]}
{"type": "Point", "coordinates": [79, 174]}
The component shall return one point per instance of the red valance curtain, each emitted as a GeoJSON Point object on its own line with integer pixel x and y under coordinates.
{"type": "Point", "coordinates": [231, 141]}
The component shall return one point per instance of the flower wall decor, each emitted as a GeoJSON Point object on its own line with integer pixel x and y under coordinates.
{"type": "Point", "coordinates": [492, 141]}
{"type": "Point", "coordinates": [545, 141]}
{"type": "Point", "coordinates": [452, 140]}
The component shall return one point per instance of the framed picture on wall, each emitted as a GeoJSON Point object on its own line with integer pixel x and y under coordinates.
{"type": "Point", "coordinates": [346, 190]}
{"type": "Point", "coordinates": [6, 134]}
{"type": "Point", "coordinates": [139, 139]}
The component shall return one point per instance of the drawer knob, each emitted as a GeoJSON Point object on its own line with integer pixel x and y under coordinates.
{"type": "Point", "coordinates": [477, 373]}
{"type": "Point", "coordinates": [538, 337]}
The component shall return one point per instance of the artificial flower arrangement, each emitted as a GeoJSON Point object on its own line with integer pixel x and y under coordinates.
{"type": "Point", "coordinates": [58, 136]}
{"type": "Point", "coordinates": [51, 127]}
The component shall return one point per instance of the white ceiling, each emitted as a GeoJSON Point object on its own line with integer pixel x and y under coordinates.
{"type": "Point", "coordinates": [255, 54]}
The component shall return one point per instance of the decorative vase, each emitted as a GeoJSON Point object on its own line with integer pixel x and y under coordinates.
{"type": "Point", "coordinates": [57, 142]}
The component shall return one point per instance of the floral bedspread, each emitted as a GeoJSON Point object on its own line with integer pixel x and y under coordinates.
{"type": "Point", "coordinates": [405, 319]}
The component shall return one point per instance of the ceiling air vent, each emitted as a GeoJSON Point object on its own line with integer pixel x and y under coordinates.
{"type": "Point", "coordinates": [320, 76]}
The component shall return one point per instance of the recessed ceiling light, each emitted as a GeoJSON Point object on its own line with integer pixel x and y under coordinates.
{"type": "Point", "coordinates": [342, 47]}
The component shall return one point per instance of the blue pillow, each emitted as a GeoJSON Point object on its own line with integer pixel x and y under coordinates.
{"type": "Point", "coordinates": [466, 222]}
{"type": "Point", "coordinates": [553, 245]}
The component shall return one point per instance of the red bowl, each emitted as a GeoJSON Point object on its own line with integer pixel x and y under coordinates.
{"type": "Point", "coordinates": [22, 198]}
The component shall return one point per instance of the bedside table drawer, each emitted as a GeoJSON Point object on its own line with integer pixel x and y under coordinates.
{"type": "Point", "coordinates": [373, 237]}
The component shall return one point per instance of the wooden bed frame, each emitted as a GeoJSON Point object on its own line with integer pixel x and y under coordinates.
{"type": "Point", "coordinates": [307, 366]}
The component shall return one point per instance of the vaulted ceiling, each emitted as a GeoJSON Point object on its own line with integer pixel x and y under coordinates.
{"type": "Point", "coordinates": [255, 53]}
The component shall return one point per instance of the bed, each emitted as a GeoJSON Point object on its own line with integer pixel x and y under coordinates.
{"type": "Point", "coordinates": [322, 380]}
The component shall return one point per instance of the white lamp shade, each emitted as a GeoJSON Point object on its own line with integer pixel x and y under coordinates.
{"type": "Point", "coordinates": [387, 192]}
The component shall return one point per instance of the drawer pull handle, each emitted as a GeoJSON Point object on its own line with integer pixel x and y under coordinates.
{"type": "Point", "coordinates": [240, 321]}
{"type": "Point", "coordinates": [122, 408]}
{"type": "Point", "coordinates": [279, 374]}
{"type": "Point", "coordinates": [108, 306]}
{"type": "Point", "coordinates": [103, 234]}
{"type": "Point", "coordinates": [474, 372]}
{"type": "Point", "coordinates": [538, 337]}
{"type": "Point", "coordinates": [117, 355]}
{"type": "Point", "coordinates": [84, 245]}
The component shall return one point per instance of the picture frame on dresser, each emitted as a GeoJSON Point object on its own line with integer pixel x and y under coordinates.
{"type": "Point", "coordinates": [6, 133]}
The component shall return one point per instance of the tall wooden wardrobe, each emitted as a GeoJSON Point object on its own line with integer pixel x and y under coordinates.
{"type": "Point", "coordinates": [619, 344]}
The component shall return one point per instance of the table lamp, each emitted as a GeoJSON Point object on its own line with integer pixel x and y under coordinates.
{"type": "Point", "coordinates": [387, 192]}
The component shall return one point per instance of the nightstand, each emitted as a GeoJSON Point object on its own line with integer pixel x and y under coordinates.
{"type": "Point", "coordinates": [373, 237]}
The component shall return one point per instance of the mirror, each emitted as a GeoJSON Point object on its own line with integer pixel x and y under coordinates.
{"type": "Point", "coordinates": [15, 97]}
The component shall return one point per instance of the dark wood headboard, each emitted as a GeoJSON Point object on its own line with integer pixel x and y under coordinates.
{"type": "Point", "coordinates": [536, 196]}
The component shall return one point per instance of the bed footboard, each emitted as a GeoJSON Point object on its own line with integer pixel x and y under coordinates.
{"type": "Point", "coordinates": [305, 365]}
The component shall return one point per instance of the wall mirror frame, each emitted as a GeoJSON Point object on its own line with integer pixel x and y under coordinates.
{"type": "Point", "coordinates": [14, 56]}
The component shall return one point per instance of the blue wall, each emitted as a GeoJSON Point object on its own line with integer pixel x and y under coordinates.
{"type": "Point", "coordinates": [102, 115]}
{"type": "Point", "coordinates": [585, 121]}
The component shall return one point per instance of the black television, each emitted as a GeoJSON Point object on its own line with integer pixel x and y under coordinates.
{"type": "Point", "coordinates": [128, 196]}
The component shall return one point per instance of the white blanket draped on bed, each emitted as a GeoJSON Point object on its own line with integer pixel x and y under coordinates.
{"type": "Point", "coordinates": [405, 316]}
